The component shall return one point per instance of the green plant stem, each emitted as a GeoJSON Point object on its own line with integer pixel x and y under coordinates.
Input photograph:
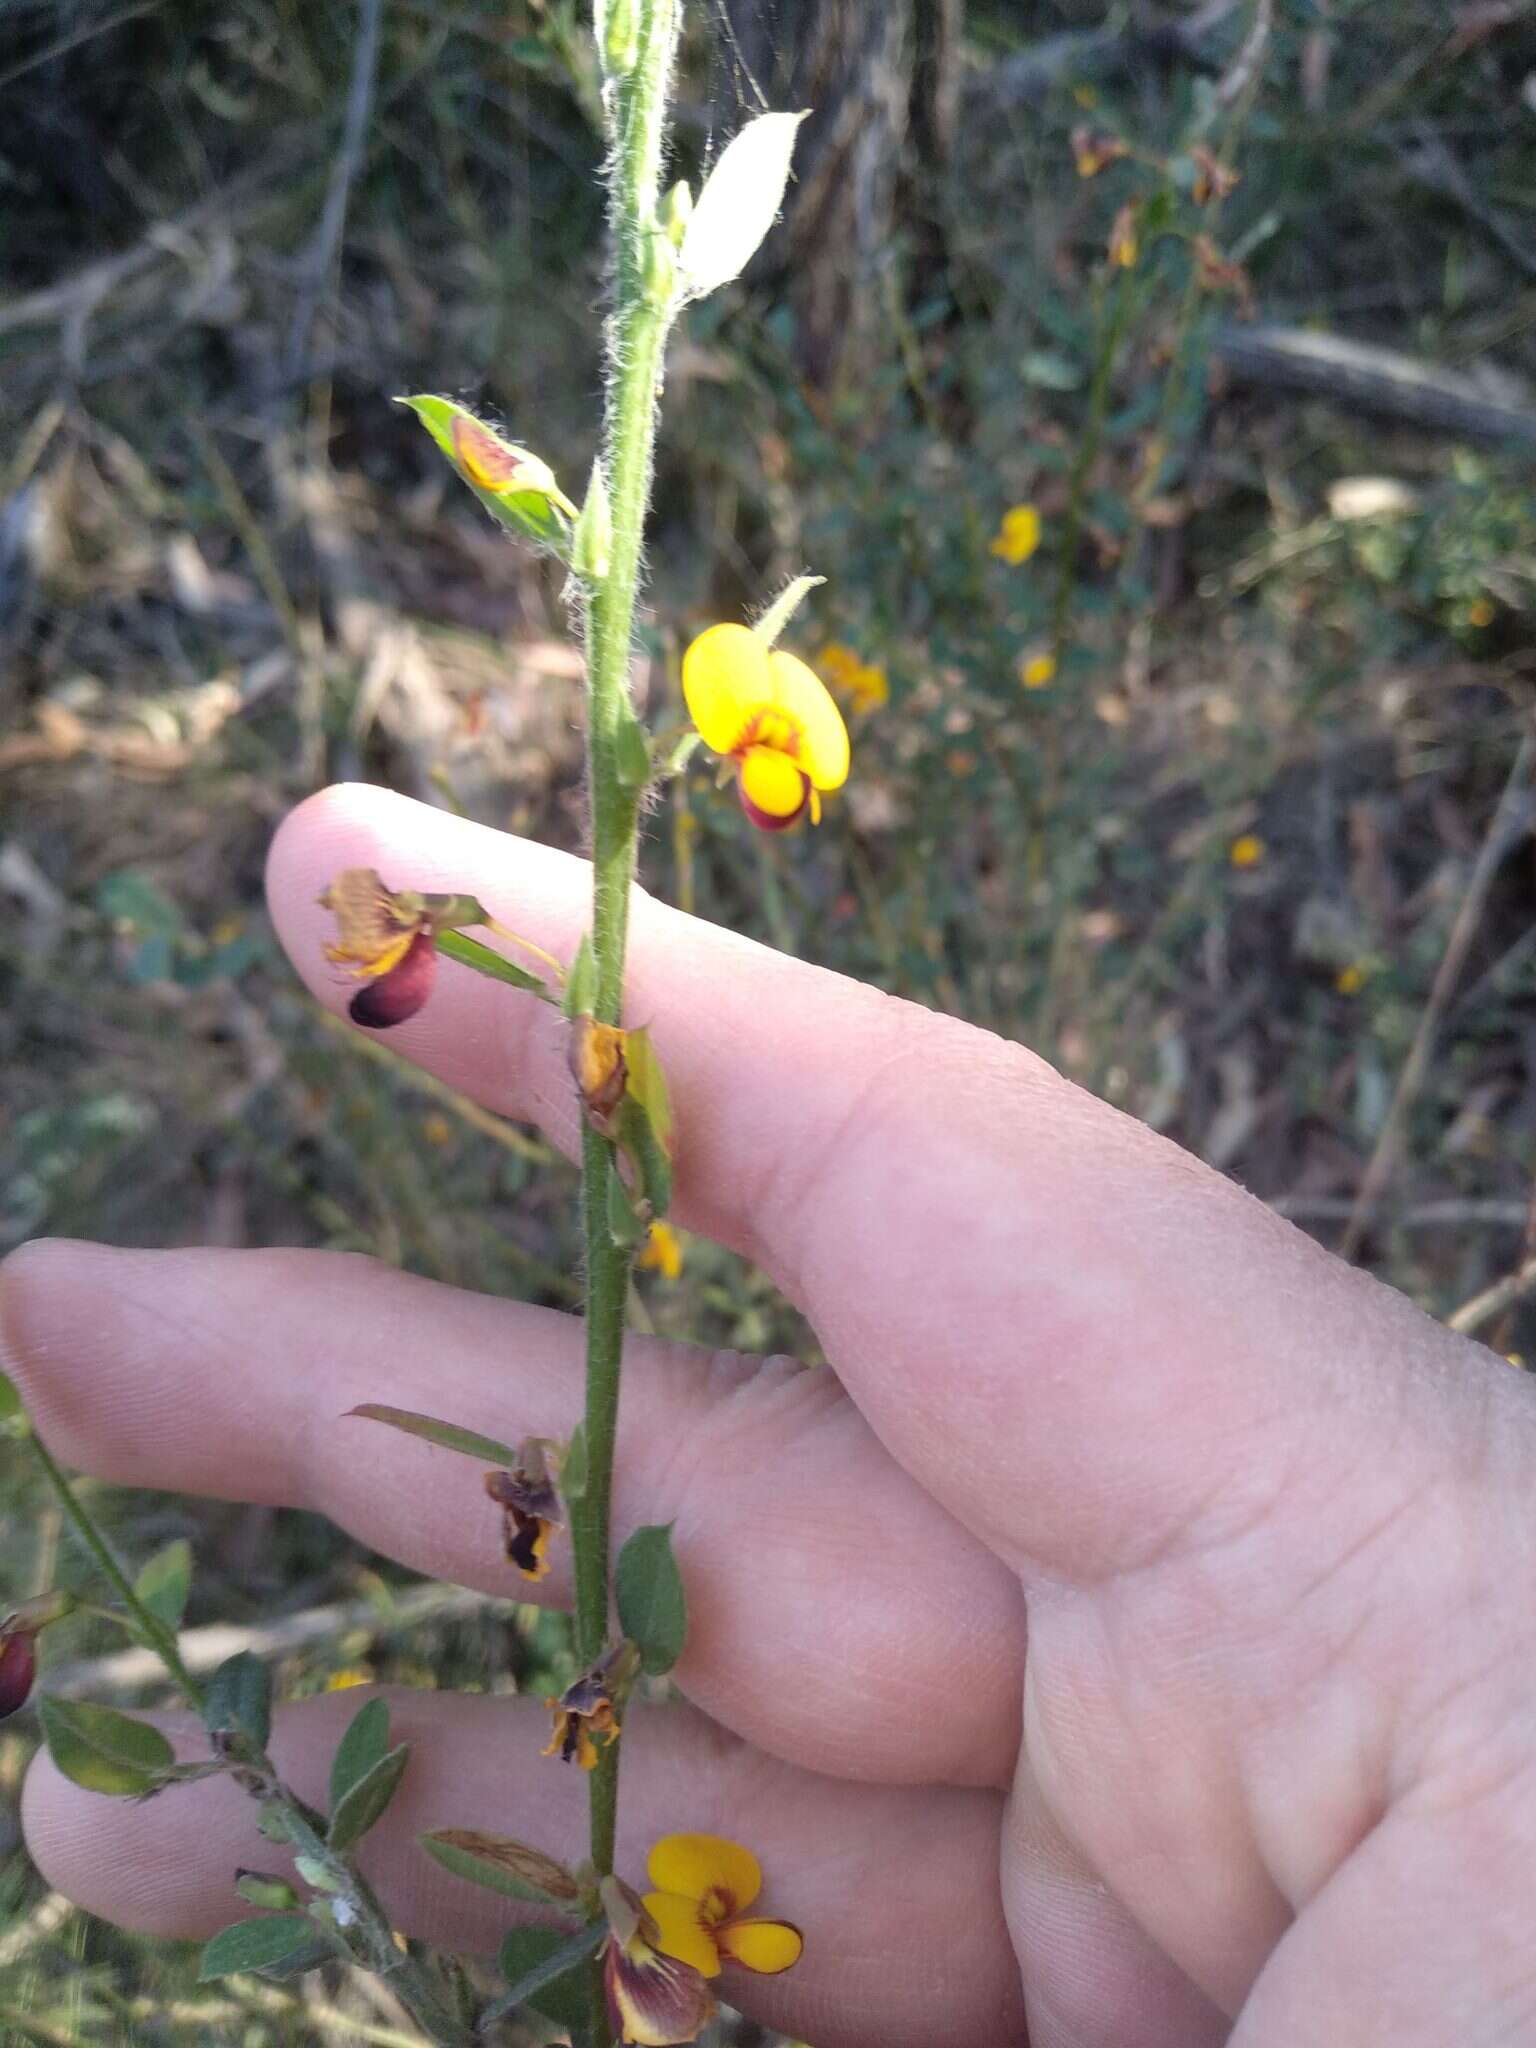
{"type": "Point", "coordinates": [369, 1936]}
{"type": "Point", "coordinates": [1111, 330]}
{"type": "Point", "coordinates": [636, 341]}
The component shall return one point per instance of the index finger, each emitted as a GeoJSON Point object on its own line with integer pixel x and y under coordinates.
{"type": "Point", "coordinates": [1053, 1318]}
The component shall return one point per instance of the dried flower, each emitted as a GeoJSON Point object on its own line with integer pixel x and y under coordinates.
{"type": "Point", "coordinates": [531, 1509]}
{"type": "Point", "coordinates": [1093, 150]}
{"type": "Point", "coordinates": [588, 1710]}
{"type": "Point", "coordinates": [662, 1252]}
{"type": "Point", "coordinates": [1213, 179]}
{"type": "Point", "coordinates": [387, 941]}
{"type": "Point", "coordinates": [1123, 245]}
{"type": "Point", "coordinates": [771, 716]}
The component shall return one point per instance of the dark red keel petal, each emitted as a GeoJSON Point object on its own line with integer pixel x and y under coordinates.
{"type": "Point", "coordinates": [400, 993]}
{"type": "Point", "coordinates": [765, 821]}
{"type": "Point", "coordinates": [18, 1669]}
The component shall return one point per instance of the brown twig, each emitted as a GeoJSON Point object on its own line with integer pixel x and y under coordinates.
{"type": "Point", "coordinates": [1493, 1301]}
{"type": "Point", "coordinates": [1510, 822]}
{"type": "Point", "coordinates": [320, 259]}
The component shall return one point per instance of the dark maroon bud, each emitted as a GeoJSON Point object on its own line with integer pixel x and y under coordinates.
{"type": "Point", "coordinates": [400, 993]}
{"type": "Point", "coordinates": [18, 1669]}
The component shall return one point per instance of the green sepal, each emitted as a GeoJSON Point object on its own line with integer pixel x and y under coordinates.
{"type": "Point", "coordinates": [592, 543]}
{"type": "Point", "coordinates": [368, 1800]}
{"type": "Point", "coordinates": [469, 1443]}
{"type": "Point", "coordinates": [531, 504]}
{"type": "Point", "coordinates": [548, 1971]}
{"type": "Point", "coordinates": [672, 751]}
{"type": "Point", "coordinates": [165, 1582]}
{"type": "Point", "coordinates": [103, 1750]}
{"type": "Point", "coordinates": [581, 982]}
{"type": "Point", "coordinates": [471, 953]}
{"type": "Point", "coordinates": [632, 752]}
{"type": "Point", "coordinates": [267, 1945]}
{"type": "Point", "coordinates": [573, 1466]}
{"type": "Point", "coordinates": [239, 1699]}
{"type": "Point", "coordinates": [648, 1591]}
{"type": "Point", "coordinates": [627, 1224]}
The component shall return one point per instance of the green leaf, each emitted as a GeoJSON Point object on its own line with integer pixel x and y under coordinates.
{"type": "Point", "coordinates": [548, 1971]}
{"type": "Point", "coordinates": [10, 1400]}
{"type": "Point", "coordinates": [365, 1804]}
{"type": "Point", "coordinates": [632, 753]}
{"type": "Point", "coordinates": [626, 1226]}
{"type": "Point", "coordinates": [446, 1435]}
{"type": "Point", "coordinates": [135, 904]}
{"type": "Point", "coordinates": [647, 1082]}
{"type": "Point", "coordinates": [272, 1894]}
{"type": "Point", "coordinates": [593, 540]}
{"type": "Point", "coordinates": [103, 1750]}
{"type": "Point", "coordinates": [581, 982]}
{"type": "Point", "coordinates": [265, 1944]}
{"type": "Point", "coordinates": [502, 1865]}
{"type": "Point", "coordinates": [648, 1589]}
{"type": "Point", "coordinates": [484, 960]}
{"type": "Point", "coordinates": [360, 1749]}
{"type": "Point", "coordinates": [652, 1166]}
{"type": "Point", "coordinates": [529, 503]}
{"type": "Point", "coordinates": [239, 1699]}
{"type": "Point", "coordinates": [165, 1582]}
{"type": "Point", "coordinates": [573, 1466]}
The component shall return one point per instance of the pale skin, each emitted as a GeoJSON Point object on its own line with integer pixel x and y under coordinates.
{"type": "Point", "coordinates": [1130, 1643]}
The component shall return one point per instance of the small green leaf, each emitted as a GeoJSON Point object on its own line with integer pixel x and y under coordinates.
{"type": "Point", "coordinates": [626, 1226]}
{"type": "Point", "coordinates": [446, 1435]}
{"type": "Point", "coordinates": [593, 541]}
{"type": "Point", "coordinates": [272, 1894]}
{"type": "Point", "coordinates": [548, 1971]}
{"type": "Point", "coordinates": [10, 1400]}
{"type": "Point", "coordinates": [484, 960]}
{"type": "Point", "coordinates": [652, 1166]}
{"type": "Point", "coordinates": [647, 1082]}
{"type": "Point", "coordinates": [502, 1865]}
{"type": "Point", "coordinates": [581, 982]}
{"type": "Point", "coordinates": [364, 1805]}
{"type": "Point", "coordinates": [239, 1699]}
{"type": "Point", "coordinates": [648, 1589]}
{"type": "Point", "coordinates": [671, 752]}
{"type": "Point", "coordinates": [103, 1750]}
{"type": "Point", "coordinates": [265, 1944]}
{"type": "Point", "coordinates": [165, 1582]}
{"type": "Point", "coordinates": [573, 1466]}
{"type": "Point", "coordinates": [360, 1749]}
{"type": "Point", "coordinates": [632, 753]}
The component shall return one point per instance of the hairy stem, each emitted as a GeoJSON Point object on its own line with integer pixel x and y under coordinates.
{"type": "Point", "coordinates": [636, 340]}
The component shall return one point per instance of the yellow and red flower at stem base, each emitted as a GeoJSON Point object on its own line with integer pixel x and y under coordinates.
{"type": "Point", "coordinates": [654, 1999]}
{"type": "Point", "coordinates": [704, 1885]}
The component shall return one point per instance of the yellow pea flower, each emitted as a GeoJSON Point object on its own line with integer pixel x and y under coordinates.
{"type": "Point", "coordinates": [704, 1885]}
{"type": "Point", "coordinates": [1247, 851]}
{"type": "Point", "coordinates": [662, 1252]}
{"type": "Point", "coordinates": [865, 682]}
{"type": "Point", "coordinates": [1036, 670]}
{"type": "Point", "coordinates": [1017, 536]}
{"type": "Point", "coordinates": [773, 717]}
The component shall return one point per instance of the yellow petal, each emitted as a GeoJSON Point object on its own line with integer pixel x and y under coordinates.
{"type": "Point", "coordinates": [695, 1866]}
{"type": "Point", "coordinates": [725, 678]}
{"type": "Point", "coordinates": [823, 735]}
{"type": "Point", "coordinates": [680, 1933]}
{"type": "Point", "coordinates": [772, 783]}
{"type": "Point", "coordinates": [766, 1946]}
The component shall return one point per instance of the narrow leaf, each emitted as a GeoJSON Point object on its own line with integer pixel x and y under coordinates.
{"type": "Point", "coordinates": [736, 208]}
{"type": "Point", "coordinates": [547, 1971]}
{"type": "Point", "coordinates": [652, 1167]}
{"type": "Point", "coordinates": [632, 753]}
{"type": "Point", "coordinates": [446, 1435]}
{"type": "Point", "coordinates": [484, 960]}
{"type": "Point", "coordinates": [573, 1466]}
{"type": "Point", "coordinates": [103, 1750]}
{"type": "Point", "coordinates": [502, 1865]}
{"type": "Point", "coordinates": [647, 1082]}
{"type": "Point", "coordinates": [239, 1699]}
{"type": "Point", "coordinates": [165, 1582]}
{"type": "Point", "coordinates": [626, 1226]}
{"type": "Point", "coordinates": [581, 982]}
{"type": "Point", "coordinates": [368, 1799]}
{"type": "Point", "coordinates": [263, 1944]}
{"type": "Point", "coordinates": [648, 1589]}
{"type": "Point", "coordinates": [360, 1749]}
{"type": "Point", "coordinates": [10, 1400]}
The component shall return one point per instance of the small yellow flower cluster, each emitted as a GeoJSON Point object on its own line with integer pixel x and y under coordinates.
{"type": "Point", "coordinates": [1017, 536]}
{"type": "Point", "coordinates": [866, 683]}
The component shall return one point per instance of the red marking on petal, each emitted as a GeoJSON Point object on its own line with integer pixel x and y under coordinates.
{"type": "Point", "coordinates": [18, 1669]}
{"type": "Point", "coordinates": [400, 993]}
{"type": "Point", "coordinates": [765, 821]}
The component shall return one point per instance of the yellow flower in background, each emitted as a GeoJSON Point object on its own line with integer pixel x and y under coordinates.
{"type": "Point", "coordinates": [1351, 979]}
{"type": "Point", "coordinates": [1480, 612]}
{"type": "Point", "coordinates": [1123, 245]}
{"type": "Point", "coordinates": [348, 1676]}
{"type": "Point", "coordinates": [1036, 670]}
{"type": "Point", "coordinates": [773, 717]}
{"type": "Point", "coordinates": [662, 1252]}
{"type": "Point", "coordinates": [704, 1885]}
{"type": "Point", "coordinates": [865, 682]}
{"type": "Point", "coordinates": [1247, 851]}
{"type": "Point", "coordinates": [1017, 536]}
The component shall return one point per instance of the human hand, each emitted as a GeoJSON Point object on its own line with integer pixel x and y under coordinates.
{"type": "Point", "coordinates": [1113, 1457]}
